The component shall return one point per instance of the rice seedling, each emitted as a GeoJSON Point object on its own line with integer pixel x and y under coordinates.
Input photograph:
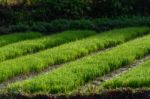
{"type": "Point", "coordinates": [77, 73]}
{"type": "Point", "coordinates": [31, 46]}
{"type": "Point", "coordinates": [15, 37]}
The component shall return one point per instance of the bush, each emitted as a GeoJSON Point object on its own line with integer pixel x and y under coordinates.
{"type": "Point", "coordinates": [63, 8]}
{"type": "Point", "coordinates": [48, 10]}
{"type": "Point", "coordinates": [4, 30]}
{"type": "Point", "coordinates": [18, 28]}
{"type": "Point", "coordinates": [113, 8]}
{"type": "Point", "coordinates": [99, 24]}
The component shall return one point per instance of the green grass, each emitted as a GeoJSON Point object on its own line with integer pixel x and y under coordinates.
{"type": "Point", "coordinates": [32, 46]}
{"type": "Point", "coordinates": [71, 76]}
{"type": "Point", "coordinates": [12, 38]}
{"type": "Point", "coordinates": [67, 52]}
{"type": "Point", "coordinates": [135, 78]}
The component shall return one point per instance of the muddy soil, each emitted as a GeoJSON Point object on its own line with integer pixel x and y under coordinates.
{"type": "Point", "coordinates": [106, 94]}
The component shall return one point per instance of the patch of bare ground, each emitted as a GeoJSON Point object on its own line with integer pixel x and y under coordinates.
{"type": "Point", "coordinates": [105, 94]}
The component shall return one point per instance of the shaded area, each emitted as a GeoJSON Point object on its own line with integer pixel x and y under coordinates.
{"type": "Point", "coordinates": [105, 94]}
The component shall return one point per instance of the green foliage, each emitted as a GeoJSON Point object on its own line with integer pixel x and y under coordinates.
{"type": "Point", "coordinates": [35, 45]}
{"type": "Point", "coordinates": [67, 52]}
{"type": "Point", "coordinates": [19, 28]}
{"type": "Point", "coordinates": [16, 37]}
{"type": "Point", "coordinates": [77, 73]}
{"type": "Point", "coordinates": [93, 24]}
{"type": "Point", "coordinates": [47, 10]}
{"type": "Point", "coordinates": [66, 8]}
{"type": "Point", "coordinates": [82, 24]}
{"type": "Point", "coordinates": [134, 78]}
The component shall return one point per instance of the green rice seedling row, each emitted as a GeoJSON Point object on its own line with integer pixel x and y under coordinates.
{"type": "Point", "coordinates": [75, 74]}
{"type": "Point", "coordinates": [30, 46]}
{"type": "Point", "coordinates": [67, 52]}
{"type": "Point", "coordinates": [95, 86]}
{"type": "Point", "coordinates": [135, 78]}
{"type": "Point", "coordinates": [16, 37]}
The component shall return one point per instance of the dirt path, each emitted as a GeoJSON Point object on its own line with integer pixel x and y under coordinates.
{"type": "Point", "coordinates": [92, 86]}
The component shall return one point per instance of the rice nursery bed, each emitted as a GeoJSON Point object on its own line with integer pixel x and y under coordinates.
{"type": "Point", "coordinates": [82, 56]}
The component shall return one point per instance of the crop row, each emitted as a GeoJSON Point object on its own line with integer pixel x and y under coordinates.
{"type": "Point", "coordinates": [67, 52]}
{"type": "Point", "coordinates": [31, 46]}
{"type": "Point", "coordinates": [77, 73]}
{"type": "Point", "coordinates": [11, 38]}
{"type": "Point", "coordinates": [135, 78]}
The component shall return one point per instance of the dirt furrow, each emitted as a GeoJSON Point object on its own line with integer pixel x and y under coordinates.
{"type": "Point", "coordinates": [93, 86]}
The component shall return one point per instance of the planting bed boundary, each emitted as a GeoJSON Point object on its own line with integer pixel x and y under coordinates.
{"type": "Point", "coordinates": [105, 94]}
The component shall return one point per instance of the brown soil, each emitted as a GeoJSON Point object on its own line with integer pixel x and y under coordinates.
{"type": "Point", "coordinates": [106, 94]}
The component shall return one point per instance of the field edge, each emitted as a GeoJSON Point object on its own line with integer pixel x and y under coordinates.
{"type": "Point", "coordinates": [121, 93]}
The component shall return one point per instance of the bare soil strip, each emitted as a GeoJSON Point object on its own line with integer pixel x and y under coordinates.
{"type": "Point", "coordinates": [46, 70]}
{"type": "Point", "coordinates": [93, 85]}
{"type": "Point", "coordinates": [105, 94]}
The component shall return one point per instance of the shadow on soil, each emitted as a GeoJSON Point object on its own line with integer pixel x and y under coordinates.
{"type": "Point", "coordinates": [113, 94]}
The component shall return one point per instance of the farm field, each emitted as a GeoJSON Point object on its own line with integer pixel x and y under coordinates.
{"type": "Point", "coordinates": [74, 49]}
{"type": "Point", "coordinates": [66, 62]}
